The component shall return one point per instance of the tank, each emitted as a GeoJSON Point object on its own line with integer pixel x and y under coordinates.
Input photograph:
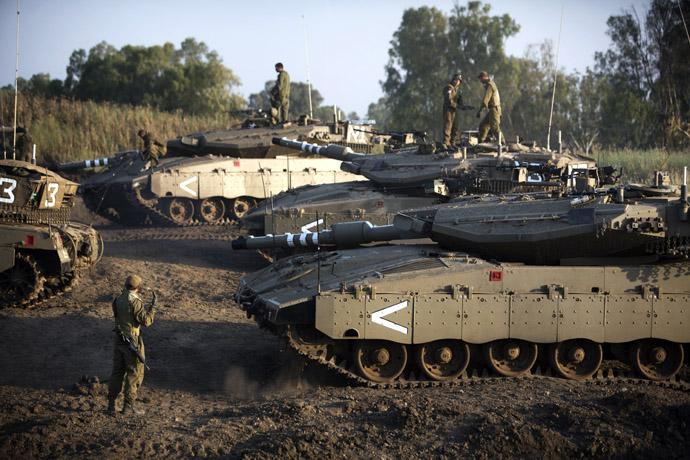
{"type": "Point", "coordinates": [42, 252]}
{"type": "Point", "coordinates": [214, 178]}
{"type": "Point", "coordinates": [565, 279]}
{"type": "Point", "coordinates": [418, 176]}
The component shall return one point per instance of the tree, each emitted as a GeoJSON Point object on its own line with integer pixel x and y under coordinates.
{"type": "Point", "coordinates": [468, 40]}
{"type": "Point", "coordinates": [191, 78]}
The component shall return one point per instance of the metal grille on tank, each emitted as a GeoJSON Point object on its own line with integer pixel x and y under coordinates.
{"type": "Point", "coordinates": [424, 264]}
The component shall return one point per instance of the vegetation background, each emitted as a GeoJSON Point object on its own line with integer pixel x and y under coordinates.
{"type": "Point", "coordinates": [632, 109]}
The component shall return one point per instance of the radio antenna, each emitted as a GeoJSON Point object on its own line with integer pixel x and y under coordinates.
{"type": "Point", "coordinates": [555, 78]}
{"type": "Point", "coordinates": [16, 77]}
{"type": "Point", "coordinates": [306, 53]}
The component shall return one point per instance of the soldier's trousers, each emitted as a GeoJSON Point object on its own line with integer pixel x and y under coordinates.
{"type": "Point", "coordinates": [283, 112]}
{"type": "Point", "coordinates": [450, 126]}
{"type": "Point", "coordinates": [127, 369]}
{"type": "Point", "coordinates": [492, 121]}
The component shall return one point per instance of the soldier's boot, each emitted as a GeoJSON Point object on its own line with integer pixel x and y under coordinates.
{"type": "Point", "coordinates": [111, 406]}
{"type": "Point", "coordinates": [131, 410]}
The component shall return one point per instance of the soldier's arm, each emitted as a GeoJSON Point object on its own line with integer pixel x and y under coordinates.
{"type": "Point", "coordinates": [451, 103]}
{"type": "Point", "coordinates": [458, 99]}
{"type": "Point", "coordinates": [283, 83]}
{"type": "Point", "coordinates": [155, 141]}
{"type": "Point", "coordinates": [487, 96]}
{"type": "Point", "coordinates": [142, 315]}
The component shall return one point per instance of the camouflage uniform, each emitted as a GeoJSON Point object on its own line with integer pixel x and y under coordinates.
{"type": "Point", "coordinates": [280, 96]}
{"type": "Point", "coordinates": [153, 149]}
{"type": "Point", "coordinates": [130, 314]}
{"type": "Point", "coordinates": [452, 97]}
{"type": "Point", "coordinates": [492, 120]}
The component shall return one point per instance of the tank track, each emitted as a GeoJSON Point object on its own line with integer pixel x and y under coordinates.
{"type": "Point", "coordinates": [43, 292]}
{"type": "Point", "coordinates": [161, 234]}
{"type": "Point", "coordinates": [92, 203]}
{"type": "Point", "coordinates": [136, 200]}
{"type": "Point", "coordinates": [344, 369]}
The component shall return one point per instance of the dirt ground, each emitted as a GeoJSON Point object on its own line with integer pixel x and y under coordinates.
{"type": "Point", "coordinates": [220, 387]}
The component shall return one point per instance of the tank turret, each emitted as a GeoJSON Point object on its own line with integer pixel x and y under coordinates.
{"type": "Point", "coordinates": [41, 251]}
{"type": "Point", "coordinates": [412, 177]}
{"type": "Point", "coordinates": [566, 278]}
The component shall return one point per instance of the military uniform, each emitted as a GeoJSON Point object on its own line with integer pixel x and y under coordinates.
{"type": "Point", "coordinates": [130, 315]}
{"type": "Point", "coordinates": [280, 96]}
{"type": "Point", "coordinates": [153, 149]}
{"type": "Point", "coordinates": [492, 120]}
{"type": "Point", "coordinates": [452, 97]}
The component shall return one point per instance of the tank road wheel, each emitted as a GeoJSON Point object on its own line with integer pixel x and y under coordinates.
{"type": "Point", "coordinates": [510, 357]}
{"type": "Point", "coordinates": [22, 283]}
{"type": "Point", "coordinates": [241, 205]}
{"type": "Point", "coordinates": [306, 338]}
{"type": "Point", "coordinates": [443, 359]}
{"type": "Point", "coordinates": [180, 210]}
{"type": "Point", "coordinates": [575, 359]}
{"type": "Point", "coordinates": [656, 359]}
{"type": "Point", "coordinates": [380, 360]}
{"type": "Point", "coordinates": [210, 210]}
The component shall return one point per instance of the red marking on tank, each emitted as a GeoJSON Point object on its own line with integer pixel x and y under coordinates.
{"type": "Point", "coordinates": [495, 276]}
{"type": "Point", "coordinates": [237, 163]}
{"type": "Point", "coordinates": [29, 240]}
{"type": "Point", "coordinates": [379, 204]}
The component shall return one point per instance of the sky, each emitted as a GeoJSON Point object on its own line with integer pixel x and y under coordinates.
{"type": "Point", "coordinates": [347, 40]}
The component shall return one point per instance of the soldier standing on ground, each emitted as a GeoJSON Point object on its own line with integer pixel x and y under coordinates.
{"type": "Point", "coordinates": [130, 315]}
{"type": "Point", "coordinates": [492, 101]}
{"type": "Point", "coordinates": [452, 97]}
{"type": "Point", "coordinates": [152, 148]}
{"type": "Point", "coordinates": [280, 94]}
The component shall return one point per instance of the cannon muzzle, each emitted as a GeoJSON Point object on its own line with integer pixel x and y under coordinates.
{"type": "Point", "coordinates": [74, 165]}
{"type": "Point", "coordinates": [342, 234]}
{"type": "Point", "coordinates": [337, 152]}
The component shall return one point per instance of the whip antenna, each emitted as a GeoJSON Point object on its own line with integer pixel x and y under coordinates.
{"type": "Point", "coordinates": [555, 77]}
{"type": "Point", "coordinates": [306, 53]}
{"type": "Point", "coordinates": [16, 75]}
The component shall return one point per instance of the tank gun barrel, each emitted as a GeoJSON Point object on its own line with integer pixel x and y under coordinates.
{"type": "Point", "coordinates": [337, 152]}
{"type": "Point", "coordinates": [74, 165]}
{"type": "Point", "coordinates": [342, 234]}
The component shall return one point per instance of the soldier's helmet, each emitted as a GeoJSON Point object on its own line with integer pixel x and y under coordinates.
{"type": "Point", "coordinates": [141, 133]}
{"type": "Point", "coordinates": [132, 282]}
{"type": "Point", "coordinates": [457, 76]}
{"type": "Point", "coordinates": [483, 74]}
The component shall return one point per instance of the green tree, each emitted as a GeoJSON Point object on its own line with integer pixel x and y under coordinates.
{"type": "Point", "coordinates": [429, 47]}
{"type": "Point", "coordinates": [191, 78]}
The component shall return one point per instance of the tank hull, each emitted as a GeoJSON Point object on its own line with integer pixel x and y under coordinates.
{"type": "Point", "coordinates": [368, 305]}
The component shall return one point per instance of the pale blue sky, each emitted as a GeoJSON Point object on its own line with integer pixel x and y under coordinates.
{"type": "Point", "coordinates": [348, 40]}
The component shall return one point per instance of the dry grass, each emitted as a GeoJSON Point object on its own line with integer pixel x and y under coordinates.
{"type": "Point", "coordinates": [65, 130]}
{"type": "Point", "coordinates": [639, 165]}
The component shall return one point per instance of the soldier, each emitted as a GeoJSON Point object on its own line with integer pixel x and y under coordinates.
{"type": "Point", "coordinates": [130, 315]}
{"type": "Point", "coordinates": [280, 94]}
{"type": "Point", "coordinates": [491, 101]}
{"type": "Point", "coordinates": [152, 148]}
{"type": "Point", "coordinates": [452, 97]}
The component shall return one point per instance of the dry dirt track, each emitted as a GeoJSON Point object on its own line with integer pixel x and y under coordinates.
{"type": "Point", "coordinates": [219, 387]}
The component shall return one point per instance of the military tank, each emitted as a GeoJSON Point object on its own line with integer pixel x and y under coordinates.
{"type": "Point", "coordinates": [418, 176]}
{"type": "Point", "coordinates": [41, 252]}
{"type": "Point", "coordinates": [566, 278]}
{"type": "Point", "coordinates": [214, 178]}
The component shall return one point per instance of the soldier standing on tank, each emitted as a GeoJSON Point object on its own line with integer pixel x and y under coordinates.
{"type": "Point", "coordinates": [280, 94]}
{"type": "Point", "coordinates": [152, 148]}
{"type": "Point", "coordinates": [130, 315]}
{"type": "Point", "coordinates": [492, 101]}
{"type": "Point", "coordinates": [452, 98]}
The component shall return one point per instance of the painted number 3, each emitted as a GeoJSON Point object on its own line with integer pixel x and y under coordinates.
{"type": "Point", "coordinates": [7, 187]}
{"type": "Point", "coordinates": [52, 191]}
